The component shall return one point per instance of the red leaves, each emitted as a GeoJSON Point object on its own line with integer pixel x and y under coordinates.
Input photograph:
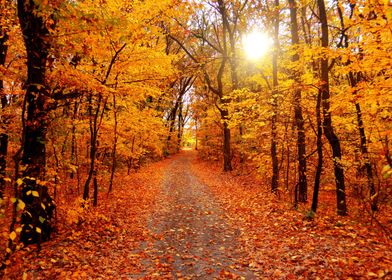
{"type": "Point", "coordinates": [281, 244]}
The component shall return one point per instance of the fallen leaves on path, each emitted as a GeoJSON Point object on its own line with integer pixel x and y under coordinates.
{"type": "Point", "coordinates": [96, 243]}
{"type": "Point", "coordinates": [192, 221]}
{"type": "Point", "coordinates": [283, 245]}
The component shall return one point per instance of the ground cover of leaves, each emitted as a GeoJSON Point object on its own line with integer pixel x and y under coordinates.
{"type": "Point", "coordinates": [96, 243]}
{"type": "Point", "coordinates": [183, 218]}
{"type": "Point", "coordinates": [283, 245]}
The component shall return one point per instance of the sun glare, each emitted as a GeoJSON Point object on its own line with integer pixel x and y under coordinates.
{"type": "Point", "coordinates": [256, 44]}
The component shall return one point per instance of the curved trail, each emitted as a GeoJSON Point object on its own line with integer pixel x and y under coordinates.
{"type": "Point", "coordinates": [193, 240]}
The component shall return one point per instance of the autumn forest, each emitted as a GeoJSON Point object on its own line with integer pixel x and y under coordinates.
{"type": "Point", "coordinates": [189, 139]}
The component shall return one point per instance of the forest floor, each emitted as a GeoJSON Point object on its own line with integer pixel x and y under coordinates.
{"type": "Point", "coordinates": [182, 218]}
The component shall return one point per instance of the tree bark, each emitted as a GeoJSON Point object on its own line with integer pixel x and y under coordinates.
{"type": "Point", "coordinates": [93, 142]}
{"type": "Point", "coordinates": [275, 92]}
{"type": "Point", "coordinates": [319, 144]}
{"type": "Point", "coordinates": [299, 120]}
{"type": "Point", "coordinates": [4, 103]}
{"type": "Point", "coordinates": [354, 80]}
{"type": "Point", "coordinates": [3, 162]}
{"type": "Point", "coordinates": [327, 121]}
{"type": "Point", "coordinates": [38, 212]}
{"type": "Point", "coordinates": [114, 151]}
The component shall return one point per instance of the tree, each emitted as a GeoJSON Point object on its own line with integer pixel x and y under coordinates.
{"type": "Point", "coordinates": [36, 28]}
{"type": "Point", "coordinates": [275, 92]}
{"type": "Point", "coordinates": [327, 122]}
{"type": "Point", "coordinates": [299, 120]}
{"type": "Point", "coordinates": [4, 6]}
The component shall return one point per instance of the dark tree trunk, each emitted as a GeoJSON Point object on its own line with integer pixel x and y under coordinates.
{"type": "Point", "coordinates": [95, 201]}
{"type": "Point", "coordinates": [4, 103]}
{"type": "Point", "coordinates": [184, 85]}
{"type": "Point", "coordinates": [93, 142]}
{"type": "Point", "coordinates": [37, 215]}
{"type": "Point", "coordinates": [299, 120]}
{"type": "Point", "coordinates": [354, 79]}
{"type": "Point", "coordinates": [327, 122]}
{"type": "Point", "coordinates": [73, 140]}
{"type": "Point", "coordinates": [226, 142]}
{"type": "Point", "coordinates": [3, 55]}
{"type": "Point", "coordinates": [274, 154]}
{"type": "Point", "coordinates": [365, 154]}
{"type": "Point", "coordinates": [180, 125]}
{"type": "Point", "coordinates": [3, 162]}
{"type": "Point", "coordinates": [319, 144]}
{"type": "Point", "coordinates": [114, 151]}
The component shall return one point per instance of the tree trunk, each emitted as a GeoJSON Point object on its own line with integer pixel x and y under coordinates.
{"type": "Point", "coordinates": [319, 144]}
{"type": "Point", "coordinates": [3, 55]}
{"type": "Point", "coordinates": [299, 120]}
{"type": "Point", "coordinates": [93, 143]}
{"type": "Point", "coordinates": [39, 206]}
{"type": "Point", "coordinates": [365, 154]}
{"type": "Point", "coordinates": [354, 79]}
{"type": "Point", "coordinates": [226, 142]}
{"type": "Point", "coordinates": [4, 103]}
{"type": "Point", "coordinates": [95, 182]}
{"type": "Point", "coordinates": [3, 162]}
{"type": "Point", "coordinates": [114, 152]}
{"type": "Point", "coordinates": [274, 156]}
{"type": "Point", "coordinates": [73, 140]}
{"type": "Point", "coordinates": [327, 122]}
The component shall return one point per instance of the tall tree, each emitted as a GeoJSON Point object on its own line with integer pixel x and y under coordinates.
{"type": "Point", "coordinates": [354, 79]}
{"type": "Point", "coordinates": [4, 6]}
{"type": "Point", "coordinates": [299, 120]}
{"type": "Point", "coordinates": [275, 92]}
{"type": "Point", "coordinates": [327, 121]}
{"type": "Point", "coordinates": [36, 27]}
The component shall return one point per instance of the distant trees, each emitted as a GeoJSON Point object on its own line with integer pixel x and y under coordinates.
{"type": "Point", "coordinates": [308, 83]}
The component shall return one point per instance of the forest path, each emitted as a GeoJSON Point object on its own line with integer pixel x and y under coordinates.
{"type": "Point", "coordinates": [193, 239]}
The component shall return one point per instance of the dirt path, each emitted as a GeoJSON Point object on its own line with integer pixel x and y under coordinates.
{"type": "Point", "coordinates": [193, 240]}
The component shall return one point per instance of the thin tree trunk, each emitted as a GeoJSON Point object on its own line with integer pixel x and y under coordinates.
{"type": "Point", "coordinates": [365, 154]}
{"type": "Point", "coordinates": [299, 120]}
{"type": "Point", "coordinates": [73, 139]}
{"type": "Point", "coordinates": [3, 162]}
{"type": "Point", "coordinates": [275, 92]}
{"type": "Point", "coordinates": [179, 126]}
{"type": "Point", "coordinates": [327, 122]}
{"type": "Point", "coordinates": [3, 56]}
{"type": "Point", "coordinates": [226, 142]}
{"type": "Point", "coordinates": [4, 103]}
{"type": "Point", "coordinates": [95, 201]}
{"type": "Point", "coordinates": [361, 129]}
{"type": "Point", "coordinates": [114, 152]}
{"type": "Point", "coordinates": [93, 142]}
{"type": "Point", "coordinates": [319, 145]}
